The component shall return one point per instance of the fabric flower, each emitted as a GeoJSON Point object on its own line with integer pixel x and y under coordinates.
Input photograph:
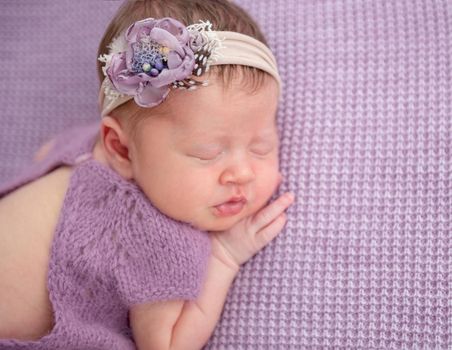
{"type": "Point", "coordinates": [197, 41]}
{"type": "Point", "coordinates": [158, 53]}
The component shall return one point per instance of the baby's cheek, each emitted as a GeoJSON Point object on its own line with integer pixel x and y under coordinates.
{"type": "Point", "coordinates": [267, 186]}
{"type": "Point", "coordinates": [274, 183]}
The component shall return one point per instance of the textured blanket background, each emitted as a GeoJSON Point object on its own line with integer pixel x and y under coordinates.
{"type": "Point", "coordinates": [365, 259]}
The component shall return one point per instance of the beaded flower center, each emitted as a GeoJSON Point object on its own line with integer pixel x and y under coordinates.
{"type": "Point", "coordinates": [149, 57]}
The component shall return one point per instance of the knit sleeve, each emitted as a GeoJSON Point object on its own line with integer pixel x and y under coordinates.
{"type": "Point", "coordinates": [161, 259]}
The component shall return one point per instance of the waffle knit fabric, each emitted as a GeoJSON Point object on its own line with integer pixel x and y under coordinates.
{"type": "Point", "coordinates": [111, 249]}
{"type": "Point", "coordinates": [365, 118]}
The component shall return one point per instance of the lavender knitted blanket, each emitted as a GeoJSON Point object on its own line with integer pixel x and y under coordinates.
{"type": "Point", "coordinates": [365, 259]}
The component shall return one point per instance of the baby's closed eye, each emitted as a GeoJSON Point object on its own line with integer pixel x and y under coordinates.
{"type": "Point", "coordinates": [206, 153]}
{"type": "Point", "coordinates": [206, 156]}
{"type": "Point", "coordinates": [209, 153]}
{"type": "Point", "coordinates": [262, 149]}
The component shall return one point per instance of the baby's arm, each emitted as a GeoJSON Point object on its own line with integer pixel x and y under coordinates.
{"type": "Point", "coordinates": [181, 324]}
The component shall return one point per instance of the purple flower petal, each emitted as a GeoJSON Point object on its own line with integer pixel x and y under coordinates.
{"type": "Point", "coordinates": [120, 76]}
{"type": "Point", "coordinates": [174, 59]}
{"type": "Point", "coordinates": [196, 41]}
{"type": "Point", "coordinates": [185, 65]}
{"type": "Point", "coordinates": [137, 29]}
{"type": "Point", "coordinates": [166, 39]}
{"type": "Point", "coordinates": [176, 28]}
{"type": "Point", "coordinates": [151, 96]}
{"type": "Point", "coordinates": [129, 56]}
{"type": "Point", "coordinates": [116, 68]}
{"type": "Point", "coordinates": [127, 84]}
{"type": "Point", "coordinates": [167, 76]}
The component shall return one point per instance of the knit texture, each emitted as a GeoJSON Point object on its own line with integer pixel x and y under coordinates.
{"type": "Point", "coordinates": [111, 249]}
{"type": "Point", "coordinates": [365, 119]}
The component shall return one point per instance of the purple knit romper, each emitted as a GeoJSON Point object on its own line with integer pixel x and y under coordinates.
{"type": "Point", "coordinates": [111, 249]}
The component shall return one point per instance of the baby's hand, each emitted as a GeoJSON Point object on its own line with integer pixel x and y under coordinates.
{"type": "Point", "coordinates": [242, 241]}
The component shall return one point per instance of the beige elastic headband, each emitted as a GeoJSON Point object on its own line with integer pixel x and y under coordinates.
{"type": "Point", "coordinates": [247, 51]}
{"type": "Point", "coordinates": [235, 48]}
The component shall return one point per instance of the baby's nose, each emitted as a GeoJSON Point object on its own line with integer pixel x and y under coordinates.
{"type": "Point", "coordinates": [240, 172]}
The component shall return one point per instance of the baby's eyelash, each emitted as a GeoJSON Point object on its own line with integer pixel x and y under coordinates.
{"type": "Point", "coordinates": [263, 151]}
{"type": "Point", "coordinates": [204, 159]}
{"type": "Point", "coordinates": [207, 158]}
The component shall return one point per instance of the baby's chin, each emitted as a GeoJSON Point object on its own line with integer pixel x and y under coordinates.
{"type": "Point", "coordinates": [218, 223]}
{"type": "Point", "coordinates": [215, 226]}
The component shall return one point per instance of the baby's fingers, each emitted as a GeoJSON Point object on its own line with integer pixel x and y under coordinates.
{"type": "Point", "coordinates": [272, 211]}
{"type": "Point", "coordinates": [269, 232]}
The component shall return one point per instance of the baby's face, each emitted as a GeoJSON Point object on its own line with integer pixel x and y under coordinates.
{"type": "Point", "coordinates": [212, 158]}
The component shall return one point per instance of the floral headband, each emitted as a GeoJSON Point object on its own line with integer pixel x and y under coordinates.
{"type": "Point", "coordinates": [155, 55]}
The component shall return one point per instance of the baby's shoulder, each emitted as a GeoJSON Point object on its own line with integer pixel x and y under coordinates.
{"type": "Point", "coordinates": [102, 195]}
{"type": "Point", "coordinates": [151, 255]}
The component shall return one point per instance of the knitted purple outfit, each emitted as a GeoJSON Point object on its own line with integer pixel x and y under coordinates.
{"type": "Point", "coordinates": [111, 249]}
{"type": "Point", "coordinates": [364, 261]}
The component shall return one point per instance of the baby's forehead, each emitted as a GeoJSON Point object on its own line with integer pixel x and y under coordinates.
{"type": "Point", "coordinates": [221, 129]}
{"type": "Point", "coordinates": [213, 113]}
{"type": "Point", "coordinates": [196, 134]}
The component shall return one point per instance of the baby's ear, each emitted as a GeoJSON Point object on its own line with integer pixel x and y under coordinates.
{"type": "Point", "coordinates": [116, 146]}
